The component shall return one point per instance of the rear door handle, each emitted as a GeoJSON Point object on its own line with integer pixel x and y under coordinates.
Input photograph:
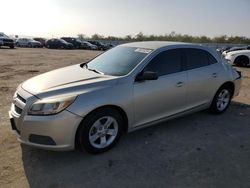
{"type": "Point", "coordinates": [214, 75]}
{"type": "Point", "coordinates": [179, 84]}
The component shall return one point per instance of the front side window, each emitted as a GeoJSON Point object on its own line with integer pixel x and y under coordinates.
{"type": "Point", "coordinates": [118, 61]}
{"type": "Point", "coordinates": [166, 62]}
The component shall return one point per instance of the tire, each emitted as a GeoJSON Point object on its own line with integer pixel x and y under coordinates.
{"type": "Point", "coordinates": [93, 126]}
{"type": "Point", "coordinates": [12, 47]}
{"type": "Point", "coordinates": [221, 100]}
{"type": "Point", "coordinates": [17, 44]}
{"type": "Point", "coordinates": [241, 61]}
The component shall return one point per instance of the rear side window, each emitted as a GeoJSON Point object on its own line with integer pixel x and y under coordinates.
{"type": "Point", "coordinates": [196, 58]}
{"type": "Point", "coordinates": [166, 62]}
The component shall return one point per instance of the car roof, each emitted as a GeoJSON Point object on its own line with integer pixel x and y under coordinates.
{"type": "Point", "coordinates": [156, 44]}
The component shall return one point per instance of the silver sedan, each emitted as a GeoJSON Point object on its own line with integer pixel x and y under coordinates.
{"type": "Point", "coordinates": [88, 106]}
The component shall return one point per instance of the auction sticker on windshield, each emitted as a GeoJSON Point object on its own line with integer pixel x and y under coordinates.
{"type": "Point", "coordinates": [143, 50]}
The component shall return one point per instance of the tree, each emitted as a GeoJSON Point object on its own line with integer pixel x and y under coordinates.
{"type": "Point", "coordinates": [220, 39]}
{"type": "Point", "coordinates": [173, 36]}
{"type": "Point", "coordinates": [97, 37]}
{"type": "Point", "coordinates": [140, 36]}
{"type": "Point", "coordinates": [81, 36]}
{"type": "Point", "coordinates": [204, 39]}
{"type": "Point", "coordinates": [128, 38]}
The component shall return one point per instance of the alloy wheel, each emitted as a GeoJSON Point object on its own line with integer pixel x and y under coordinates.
{"type": "Point", "coordinates": [223, 100]}
{"type": "Point", "coordinates": [103, 132]}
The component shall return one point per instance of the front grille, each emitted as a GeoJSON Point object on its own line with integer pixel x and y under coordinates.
{"type": "Point", "coordinates": [18, 110]}
{"type": "Point", "coordinates": [21, 98]}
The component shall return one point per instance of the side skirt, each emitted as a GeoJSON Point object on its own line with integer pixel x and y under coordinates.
{"type": "Point", "coordinates": [192, 110]}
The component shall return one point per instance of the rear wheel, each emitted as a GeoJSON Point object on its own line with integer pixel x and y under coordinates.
{"type": "Point", "coordinates": [222, 100]}
{"type": "Point", "coordinates": [100, 130]}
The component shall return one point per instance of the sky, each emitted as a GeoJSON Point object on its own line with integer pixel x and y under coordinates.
{"type": "Point", "coordinates": [57, 18]}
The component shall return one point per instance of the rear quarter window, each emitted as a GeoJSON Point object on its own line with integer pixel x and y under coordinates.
{"type": "Point", "coordinates": [211, 58]}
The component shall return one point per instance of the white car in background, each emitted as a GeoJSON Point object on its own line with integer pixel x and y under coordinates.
{"type": "Point", "coordinates": [239, 57]}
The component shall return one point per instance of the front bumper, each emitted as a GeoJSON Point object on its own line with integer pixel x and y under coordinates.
{"type": "Point", "coordinates": [3, 43]}
{"type": "Point", "coordinates": [54, 132]}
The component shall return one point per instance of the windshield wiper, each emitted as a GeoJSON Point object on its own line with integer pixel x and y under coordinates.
{"type": "Point", "coordinates": [94, 70]}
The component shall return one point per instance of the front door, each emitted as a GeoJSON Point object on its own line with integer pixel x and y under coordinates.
{"type": "Point", "coordinates": [157, 99]}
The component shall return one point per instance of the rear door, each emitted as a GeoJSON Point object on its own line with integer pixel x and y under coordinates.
{"type": "Point", "coordinates": [203, 72]}
{"type": "Point", "coordinates": [156, 99]}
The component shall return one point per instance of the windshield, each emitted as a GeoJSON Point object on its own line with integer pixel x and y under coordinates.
{"type": "Point", "coordinates": [78, 40]}
{"type": "Point", "coordinates": [88, 43]}
{"type": "Point", "coordinates": [118, 61]}
{"type": "Point", "coordinates": [3, 35]}
{"type": "Point", "coordinates": [63, 41]}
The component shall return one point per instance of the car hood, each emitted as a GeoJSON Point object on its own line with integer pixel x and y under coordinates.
{"type": "Point", "coordinates": [67, 79]}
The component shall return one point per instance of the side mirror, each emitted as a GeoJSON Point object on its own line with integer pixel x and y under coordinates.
{"type": "Point", "coordinates": [147, 75]}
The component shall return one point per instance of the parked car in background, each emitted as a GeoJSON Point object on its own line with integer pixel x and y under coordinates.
{"type": "Point", "coordinates": [26, 42]}
{"type": "Point", "coordinates": [77, 43]}
{"type": "Point", "coordinates": [89, 46]}
{"type": "Point", "coordinates": [110, 45]}
{"type": "Point", "coordinates": [131, 86]}
{"type": "Point", "coordinates": [6, 41]}
{"type": "Point", "coordinates": [100, 45]}
{"type": "Point", "coordinates": [222, 49]}
{"type": "Point", "coordinates": [58, 44]}
{"type": "Point", "coordinates": [239, 57]}
{"type": "Point", "coordinates": [236, 49]}
{"type": "Point", "coordinates": [41, 40]}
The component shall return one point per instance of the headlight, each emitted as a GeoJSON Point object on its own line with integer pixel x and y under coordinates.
{"type": "Point", "coordinates": [228, 57]}
{"type": "Point", "coordinates": [50, 106]}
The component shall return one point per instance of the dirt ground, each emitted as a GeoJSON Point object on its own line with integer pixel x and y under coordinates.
{"type": "Point", "coordinates": [199, 150]}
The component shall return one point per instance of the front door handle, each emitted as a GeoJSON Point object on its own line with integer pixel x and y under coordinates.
{"type": "Point", "coordinates": [214, 75]}
{"type": "Point", "coordinates": [179, 84]}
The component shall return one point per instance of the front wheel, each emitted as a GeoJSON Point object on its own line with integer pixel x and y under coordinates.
{"type": "Point", "coordinates": [222, 100]}
{"type": "Point", "coordinates": [100, 131]}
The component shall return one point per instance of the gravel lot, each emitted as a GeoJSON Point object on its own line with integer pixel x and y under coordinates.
{"type": "Point", "coordinates": [199, 150]}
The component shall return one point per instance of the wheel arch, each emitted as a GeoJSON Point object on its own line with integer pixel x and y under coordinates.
{"type": "Point", "coordinates": [229, 84]}
{"type": "Point", "coordinates": [241, 56]}
{"type": "Point", "coordinates": [118, 108]}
